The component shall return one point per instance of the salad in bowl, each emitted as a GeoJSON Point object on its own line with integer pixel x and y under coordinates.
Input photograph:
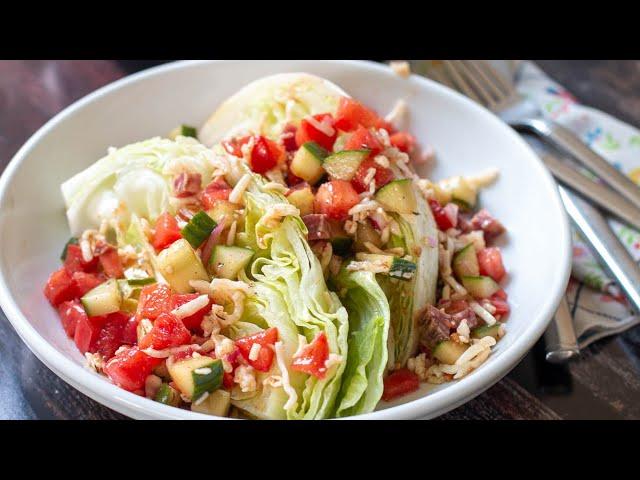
{"type": "Point", "coordinates": [282, 261]}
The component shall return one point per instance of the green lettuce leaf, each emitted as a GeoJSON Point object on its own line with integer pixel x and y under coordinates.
{"type": "Point", "coordinates": [135, 179]}
{"type": "Point", "coordinates": [290, 293]}
{"type": "Point", "coordinates": [368, 331]}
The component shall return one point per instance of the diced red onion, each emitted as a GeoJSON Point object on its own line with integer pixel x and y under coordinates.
{"type": "Point", "coordinates": [212, 241]}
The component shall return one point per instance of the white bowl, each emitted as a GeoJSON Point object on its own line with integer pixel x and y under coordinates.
{"type": "Point", "coordinates": [466, 137]}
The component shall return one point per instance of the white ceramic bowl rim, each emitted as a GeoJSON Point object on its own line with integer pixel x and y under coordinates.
{"type": "Point", "coordinates": [440, 401]}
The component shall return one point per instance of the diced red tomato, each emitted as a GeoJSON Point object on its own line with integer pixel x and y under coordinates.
{"type": "Point", "coordinates": [192, 322]}
{"type": "Point", "coordinates": [70, 312]}
{"type": "Point", "coordinates": [308, 133]}
{"type": "Point", "coordinates": [442, 219]}
{"type": "Point", "coordinates": [86, 281]}
{"type": "Point", "coordinates": [502, 307]}
{"type": "Point", "coordinates": [111, 263]}
{"type": "Point", "coordinates": [234, 146]}
{"type": "Point", "coordinates": [501, 294]}
{"type": "Point", "coordinates": [289, 138]}
{"type": "Point", "coordinates": [456, 306]}
{"type": "Point", "coordinates": [60, 287]}
{"type": "Point", "coordinates": [293, 179]}
{"type": "Point", "coordinates": [227, 380]}
{"type": "Point", "coordinates": [363, 138]}
{"type": "Point", "coordinates": [335, 199]}
{"type": "Point", "coordinates": [154, 300]}
{"type": "Point", "coordinates": [75, 263]}
{"type": "Point", "coordinates": [111, 337]}
{"type": "Point", "coordinates": [87, 332]}
{"type": "Point", "coordinates": [266, 340]}
{"type": "Point", "coordinates": [351, 114]}
{"type": "Point", "coordinates": [168, 331]}
{"type": "Point", "coordinates": [382, 177]}
{"type": "Point", "coordinates": [312, 358]}
{"type": "Point", "coordinates": [490, 262]}
{"type": "Point", "coordinates": [265, 155]}
{"type": "Point", "coordinates": [400, 383]}
{"type": "Point", "coordinates": [130, 368]}
{"type": "Point", "coordinates": [403, 141]}
{"type": "Point", "coordinates": [130, 332]}
{"type": "Point", "coordinates": [186, 353]}
{"type": "Point", "coordinates": [219, 189]}
{"type": "Point", "coordinates": [166, 231]}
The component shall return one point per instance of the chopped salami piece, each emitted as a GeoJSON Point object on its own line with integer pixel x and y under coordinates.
{"type": "Point", "coordinates": [187, 184]}
{"type": "Point", "coordinates": [436, 327]}
{"type": "Point", "coordinates": [484, 221]}
{"type": "Point", "coordinates": [318, 226]}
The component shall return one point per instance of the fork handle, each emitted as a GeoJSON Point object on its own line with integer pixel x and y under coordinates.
{"type": "Point", "coordinates": [567, 141]}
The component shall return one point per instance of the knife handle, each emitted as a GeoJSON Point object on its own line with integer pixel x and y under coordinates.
{"type": "Point", "coordinates": [560, 338]}
{"type": "Point", "coordinates": [613, 256]}
{"type": "Point", "coordinates": [601, 195]}
{"type": "Point", "coordinates": [567, 141]}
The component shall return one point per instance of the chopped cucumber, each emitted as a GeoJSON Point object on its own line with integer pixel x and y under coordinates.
{"type": "Point", "coordinates": [341, 141]}
{"type": "Point", "coordinates": [395, 267]}
{"type": "Point", "coordinates": [449, 351]}
{"type": "Point", "coordinates": [344, 165]}
{"type": "Point", "coordinates": [103, 299]}
{"type": "Point", "coordinates": [462, 192]}
{"type": "Point", "coordinates": [196, 376]}
{"type": "Point", "coordinates": [307, 162]}
{"type": "Point", "coordinates": [302, 199]}
{"type": "Point", "coordinates": [398, 196]}
{"type": "Point", "coordinates": [183, 130]}
{"type": "Point", "coordinates": [226, 262]}
{"type": "Point", "coordinates": [465, 262]}
{"type": "Point", "coordinates": [222, 208]}
{"type": "Point", "coordinates": [198, 229]}
{"type": "Point", "coordinates": [129, 291]}
{"type": "Point", "coordinates": [129, 305]}
{"type": "Point", "coordinates": [480, 286]}
{"type": "Point", "coordinates": [217, 404]}
{"type": "Point", "coordinates": [366, 233]}
{"type": "Point", "coordinates": [71, 241]}
{"type": "Point", "coordinates": [487, 331]}
{"type": "Point", "coordinates": [168, 395]}
{"type": "Point", "coordinates": [179, 264]}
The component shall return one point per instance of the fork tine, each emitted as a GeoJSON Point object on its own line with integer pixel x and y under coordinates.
{"type": "Point", "coordinates": [460, 83]}
{"type": "Point", "coordinates": [489, 83]}
{"type": "Point", "coordinates": [498, 79]}
{"type": "Point", "coordinates": [479, 86]}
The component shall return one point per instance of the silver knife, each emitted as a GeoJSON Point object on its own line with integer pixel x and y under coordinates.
{"type": "Point", "coordinates": [613, 256]}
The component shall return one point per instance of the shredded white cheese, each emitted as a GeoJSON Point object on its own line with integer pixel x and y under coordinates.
{"type": "Point", "coordinates": [254, 352]}
{"type": "Point", "coordinates": [483, 313]}
{"type": "Point", "coordinates": [236, 195]}
{"type": "Point", "coordinates": [245, 377]}
{"type": "Point", "coordinates": [401, 68]}
{"type": "Point", "coordinates": [324, 126]}
{"type": "Point", "coordinates": [191, 307]}
{"type": "Point", "coordinates": [231, 236]}
{"type": "Point", "coordinates": [284, 373]}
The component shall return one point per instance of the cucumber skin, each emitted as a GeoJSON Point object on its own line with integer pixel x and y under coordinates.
{"type": "Point", "coordinates": [208, 382]}
{"type": "Point", "coordinates": [167, 395]}
{"type": "Point", "coordinates": [345, 156]}
{"type": "Point", "coordinates": [487, 330]}
{"type": "Point", "coordinates": [198, 229]}
{"type": "Point", "coordinates": [398, 196]}
{"type": "Point", "coordinates": [480, 286]}
{"type": "Point", "coordinates": [465, 262]}
{"type": "Point", "coordinates": [448, 351]}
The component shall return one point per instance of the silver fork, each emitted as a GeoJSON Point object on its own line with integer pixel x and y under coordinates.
{"type": "Point", "coordinates": [481, 82]}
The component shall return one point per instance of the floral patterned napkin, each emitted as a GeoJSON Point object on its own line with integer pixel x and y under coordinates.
{"type": "Point", "coordinates": [597, 306]}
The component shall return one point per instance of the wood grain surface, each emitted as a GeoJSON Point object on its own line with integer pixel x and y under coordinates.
{"type": "Point", "coordinates": [603, 384]}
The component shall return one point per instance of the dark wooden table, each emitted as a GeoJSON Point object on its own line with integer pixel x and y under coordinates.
{"type": "Point", "coordinates": [603, 384]}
